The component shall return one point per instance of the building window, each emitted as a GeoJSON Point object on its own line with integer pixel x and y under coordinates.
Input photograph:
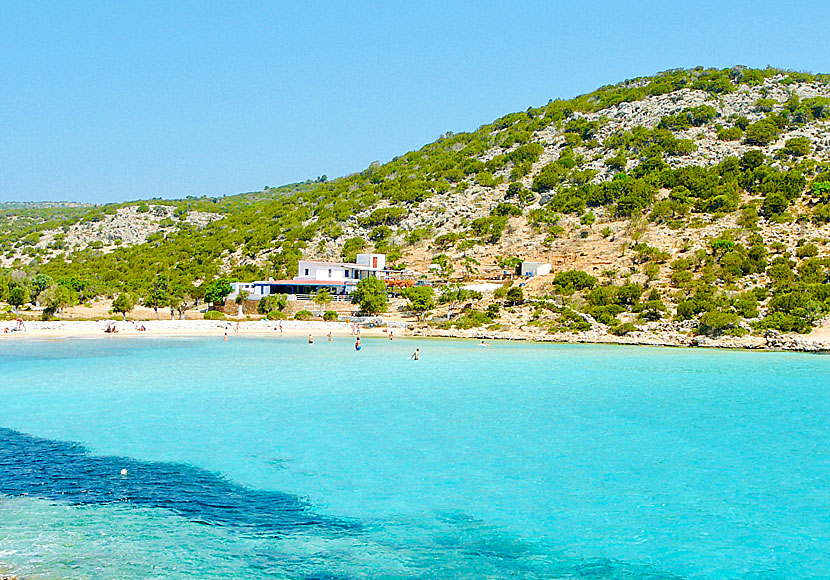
{"type": "Point", "coordinates": [347, 273]}
{"type": "Point", "coordinates": [329, 272]}
{"type": "Point", "coordinates": [306, 271]}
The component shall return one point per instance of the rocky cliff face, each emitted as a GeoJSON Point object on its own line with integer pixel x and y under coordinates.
{"type": "Point", "coordinates": [127, 226]}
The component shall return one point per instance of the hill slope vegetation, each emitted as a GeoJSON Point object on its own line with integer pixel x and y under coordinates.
{"type": "Point", "coordinates": [697, 199]}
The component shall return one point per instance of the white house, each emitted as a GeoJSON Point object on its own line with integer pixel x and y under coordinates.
{"type": "Point", "coordinates": [367, 265]}
{"type": "Point", "coordinates": [339, 278]}
{"type": "Point", "coordinates": [535, 269]}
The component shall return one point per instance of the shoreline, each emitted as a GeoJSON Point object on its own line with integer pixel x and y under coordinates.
{"type": "Point", "coordinates": [67, 329]}
{"type": "Point", "coordinates": [772, 341]}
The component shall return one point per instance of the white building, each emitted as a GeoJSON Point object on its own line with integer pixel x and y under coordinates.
{"type": "Point", "coordinates": [534, 269]}
{"type": "Point", "coordinates": [367, 265]}
{"type": "Point", "coordinates": [339, 278]}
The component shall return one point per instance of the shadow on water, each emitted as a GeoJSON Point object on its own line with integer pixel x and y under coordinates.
{"type": "Point", "coordinates": [451, 545]}
{"type": "Point", "coordinates": [66, 472]}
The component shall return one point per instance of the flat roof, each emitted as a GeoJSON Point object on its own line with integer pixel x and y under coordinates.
{"type": "Point", "coordinates": [303, 283]}
{"type": "Point", "coordinates": [347, 265]}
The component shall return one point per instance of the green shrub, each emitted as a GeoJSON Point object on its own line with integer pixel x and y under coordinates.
{"type": "Point", "coordinates": [622, 329]}
{"type": "Point", "coordinates": [330, 316]}
{"type": "Point", "coordinates": [570, 321]}
{"type": "Point", "coordinates": [214, 315]}
{"type": "Point", "coordinates": [384, 216]}
{"type": "Point", "coordinates": [807, 251]}
{"type": "Point", "coordinates": [606, 313]}
{"type": "Point", "coordinates": [761, 132]}
{"type": "Point", "coordinates": [765, 105]}
{"type": "Point", "coordinates": [688, 309]}
{"type": "Point", "coordinates": [518, 191]}
{"type": "Point", "coordinates": [351, 247]}
{"type": "Point", "coordinates": [775, 203]}
{"type": "Point", "coordinates": [797, 147]}
{"type": "Point", "coordinates": [715, 323]}
{"type": "Point", "coordinates": [573, 280]}
{"type": "Point", "coordinates": [681, 277]}
{"type": "Point", "coordinates": [783, 322]}
{"type": "Point", "coordinates": [472, 319]}
{"type": "Point", "coordinates": [821, 190]}
{"type": "Point", "coordinates": [303, 315]}
{"type": "Point", "coordinates": [821, 213]}
{"type": "Point", "coordinates": [650, 310]}
{"type": "Point", "coordinates": [515, 296]}
{"type": "Point", "coordinates": [271, 303]}
{"type": "Point", "coordinates": [370, 294]}
{"type": "Point", "coordinates": [730, 134]}
{"type": "Point", "coordinates": [276, 315]}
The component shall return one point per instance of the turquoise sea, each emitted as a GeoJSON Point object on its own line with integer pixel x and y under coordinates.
{"type": "Point", "coordinates": [272, 458]}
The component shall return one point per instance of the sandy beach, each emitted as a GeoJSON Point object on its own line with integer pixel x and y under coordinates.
{"type": "Point", "coordinates": [817, 341]}
{"type": "Point", "coordinates": [162, 328]}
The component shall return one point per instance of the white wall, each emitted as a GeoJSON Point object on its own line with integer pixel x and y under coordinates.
{"type": "Point", "coordinates": [336, 272]}
{"type": "Point", "coordinates": [370, 259]}
{"type": "Point", "coordinates": [535, 269]}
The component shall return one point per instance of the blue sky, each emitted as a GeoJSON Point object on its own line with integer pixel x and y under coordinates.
{"type": "Point", "coordinates": [113, 101]}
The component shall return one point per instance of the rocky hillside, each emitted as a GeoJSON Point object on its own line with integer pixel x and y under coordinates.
{"type": "Point", "coordinates": [695, 198]}
{"type": "Point", "coordinates": [126, 226]}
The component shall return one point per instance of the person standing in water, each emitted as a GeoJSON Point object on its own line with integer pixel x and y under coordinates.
{"type": "Point", "coordinates": [329, 335]}
{"type": "Point", "coordinates": [416, 355]}
{"type": "Point", "coordinates": [310, 339]}
{"type": "Point", "coordinates": [357, 344]}
{"type": "Point", "coordinates": [226, 336]}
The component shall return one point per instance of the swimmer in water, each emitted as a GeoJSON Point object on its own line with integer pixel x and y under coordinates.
{"type": "Point", "coordinates": [484, 344]}
{"type": "Point", "coordinates": [416, 355]}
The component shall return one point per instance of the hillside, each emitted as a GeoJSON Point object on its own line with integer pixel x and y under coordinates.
{"type": "Point", "coordinates": [694, 201]}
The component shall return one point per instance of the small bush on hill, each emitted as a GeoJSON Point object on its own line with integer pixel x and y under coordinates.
{"type": "Point", "coordinates": [571, 281]}
{"type": "Point", "coordinates": [622, 329]}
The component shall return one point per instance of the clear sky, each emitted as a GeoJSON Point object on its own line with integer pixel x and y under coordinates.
{"type": "Point", "coordinates": [117, 100]}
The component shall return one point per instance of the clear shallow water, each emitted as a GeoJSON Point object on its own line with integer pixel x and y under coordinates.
{"type": "Point", "coordinates": [273, 458]}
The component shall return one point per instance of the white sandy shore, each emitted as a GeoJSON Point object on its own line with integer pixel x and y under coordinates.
{"type": "Point", "coordinates": [157, 328]}
{"type": "Point", "coordinates": [819, 341]}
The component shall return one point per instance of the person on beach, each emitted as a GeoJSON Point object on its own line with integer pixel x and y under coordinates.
{"type": "Point", "coordinates": [390, 335]}
{"type": "Point", "coordinates": [416, 355]}
{"type": "Point", "coordinates": [237, 327]}
{"type": "Point", "coordinates": [280, 327]}
{"type": "Point", "coordinates": [357, 344]}
{"type": "Point", "coordinates": [310, 339]}
{"type": "Point", "coordinates": [20, 326]}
